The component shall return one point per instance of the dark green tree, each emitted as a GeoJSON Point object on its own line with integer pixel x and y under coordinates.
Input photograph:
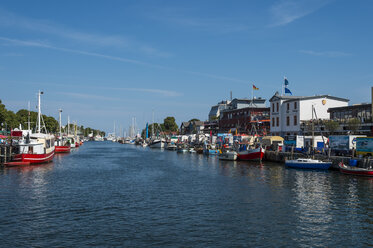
{"type": "Point", "coordinates": [193, 120]}
{"type": "Point", "coordinates": [170, 124]}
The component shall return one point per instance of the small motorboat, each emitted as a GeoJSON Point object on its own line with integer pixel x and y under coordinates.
{"type": "Point", "coordinates": [171, 146]}
{"type": "Point", "coordinates": [307, 163]}
{"type": "Point", "coordinates": [353, 170]}
{"type": "Point", "coordinates": [228, 155]}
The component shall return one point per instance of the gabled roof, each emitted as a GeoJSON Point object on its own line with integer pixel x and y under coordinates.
{"type": "Point", "coordinates": [319, 97]}
{"type": "Point", "coordinates": [277, 96]}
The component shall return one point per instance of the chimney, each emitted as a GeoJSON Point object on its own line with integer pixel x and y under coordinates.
{"type": "Point", "coordinates": [231, 93]}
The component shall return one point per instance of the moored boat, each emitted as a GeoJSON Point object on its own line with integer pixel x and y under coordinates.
{"type": "Point", "coordinates": [157, 143]}
{"type": "Point", "coordinates": [63, 149]}
{"type": "Point", "coordinates": [251, 154]}
{"type": "Point", "coordinates": [62, 145]}
{"type": "Point", "coordinates": [228, 155]}
{"type": "Point", "coordinates": [353, 170]}
{"type": "Point", "coordinates": [171, 146]}
{"type": "Point", "coordinates": [38, 147]}
{"type": "Point", "coordinates": [307, 163]}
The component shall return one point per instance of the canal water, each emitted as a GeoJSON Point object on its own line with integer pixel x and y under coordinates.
{"type": "Point", "coordinates": [107, 194]}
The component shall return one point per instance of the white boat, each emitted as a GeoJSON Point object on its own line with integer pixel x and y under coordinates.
{"type": "Point", "coordinates": [228, 155]}
{"type": "Point", "coordinates": [37, 147]}
{"type": "Point", "coordinates": [157, 143]}
{"type": "Point", "coordinates": [171, 146]}
{"type": "Point", "coordinates": [307, 163]}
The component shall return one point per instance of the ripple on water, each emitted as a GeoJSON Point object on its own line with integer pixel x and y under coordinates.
{"type": "Point", "coordinates": [108, 194]}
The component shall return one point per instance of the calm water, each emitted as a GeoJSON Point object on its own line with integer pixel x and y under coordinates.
{"type": "Point", "coordinates": [106, 194]}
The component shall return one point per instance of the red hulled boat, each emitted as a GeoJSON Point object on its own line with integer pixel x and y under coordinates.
{"type": "Point", "coordinates": [63, 149]}
{"type": "Point", "coordinates": [251, 154]}
{"type": "Point", "coordinates": [352, 170]}
{"type": "Point", "coordinates": [35, 148]}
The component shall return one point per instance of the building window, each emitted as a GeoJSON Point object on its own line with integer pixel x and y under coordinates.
{"type": "Point", "coordinates": [288, 107]}
{"type": "Point", "coordinates": [277, 121]}
{"type": "Point", "coordinates": [277, 107]}
{"type": "Point", "coordinates": [295, 105]}
{"type": "Point", "coordinates": [295, 120]}
{"type": "Point", "coordinates": [287, 120]}
{"type": "Point", "coordinates": [273, 107]}
{"type": "Point", "coordinates": [273, 122]}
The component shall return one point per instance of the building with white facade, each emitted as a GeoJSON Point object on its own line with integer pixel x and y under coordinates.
{"type": "Point", "coordinates": [288, 112]}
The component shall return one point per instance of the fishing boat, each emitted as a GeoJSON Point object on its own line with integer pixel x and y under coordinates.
{"type": "Point", "coordinates": [247, 153]}
{"type": "Point", "coordinates": [308, 163]}
{"type": "Point", "coordinates": [157, 143]}
{"type": "Point", "coordinates": [62, 145]}
{"type": "Point", "coordinates": [353, 170]}
{"type": "Point", "coordinates": [38, 147]}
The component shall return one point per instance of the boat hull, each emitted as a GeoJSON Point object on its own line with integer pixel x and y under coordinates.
{"type": "Point", "coordinates": [157, 144]}
{"type": "Point", "coordinates": [355, 170]}
{"type": "Point", "coordinates": [316, 166]}
{"type": "Point", "coordinates": [34, 158]}
{"type": "Point", "coordinates": [62, 149]}
{"type": "Point", "coordinates": [231, 156]}
{"type": "Point", "coordinates": [211, 152]}
{"type": "Point", "coordinates": [251, 154]}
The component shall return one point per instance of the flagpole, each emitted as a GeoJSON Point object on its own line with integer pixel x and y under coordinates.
{"type": "Point", "coordinates": [283, 86]}
{"type": "Point", "coordinates": [252, 96]}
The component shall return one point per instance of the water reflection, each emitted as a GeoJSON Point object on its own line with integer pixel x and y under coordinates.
{"type": "Point", "coordinates": [108, 194]}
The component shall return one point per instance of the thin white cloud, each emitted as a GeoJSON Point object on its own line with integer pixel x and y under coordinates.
{"type": "Point", "coordinates": [287, 11]}
{"type": "Point", "coordinates": [168, 93]}
{"type": "Point", "coordinates": [326, 53]}
{"type": "Point", "coordinates": [89, 96]}
{"type": "Point", "coordinates": [8, 19]}
{"type": "Point", "coordinates": [45, 45]}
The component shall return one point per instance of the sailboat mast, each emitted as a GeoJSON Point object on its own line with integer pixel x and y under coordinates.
{"type": "Point", "coordinates": [39, 111]}
{"type": "Point", "coordinates": [68, 125]}
{"type": "Point", "coordinates": [28, 118]}
{"type": "Point", "coordinates": [313, 129]}
{"type": "Point", "coordinates": [153, 125]}
{"type": "Point", "coordinates": [60, 110]}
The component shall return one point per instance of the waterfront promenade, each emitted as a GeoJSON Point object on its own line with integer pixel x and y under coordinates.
{"type": "Point", "coordinates": [113, 195]}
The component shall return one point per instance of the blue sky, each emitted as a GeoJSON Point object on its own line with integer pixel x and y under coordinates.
{"type": "Point", "coordinates": [106, 61]}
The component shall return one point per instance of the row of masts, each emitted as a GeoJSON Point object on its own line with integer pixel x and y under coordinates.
{"type": "Point", "coordinates": [40, 119]}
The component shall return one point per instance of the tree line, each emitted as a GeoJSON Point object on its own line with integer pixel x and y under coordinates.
{"type": "Point", "coordinates": [10, 120]}
{"type": "Point", "coordinates": [168, 126]}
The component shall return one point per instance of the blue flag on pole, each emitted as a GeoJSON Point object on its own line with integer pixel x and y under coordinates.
{"type": "Point", "coordinates": [288, 91]}
{"type": "Point", "coordinates": [286, 82]}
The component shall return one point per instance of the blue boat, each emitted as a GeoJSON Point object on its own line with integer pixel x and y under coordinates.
{"type": "Point", "coordinates": [307, 163]}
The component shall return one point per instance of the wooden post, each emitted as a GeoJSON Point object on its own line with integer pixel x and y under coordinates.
{"type": "Point", "coordinates": [10, 153]}
{"type": "Point", "coordinates": [329, 152]}
{"type": "Point", "coordinates": [292, 152]}
{"type": "Point", "coordinates": [5, 155]}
